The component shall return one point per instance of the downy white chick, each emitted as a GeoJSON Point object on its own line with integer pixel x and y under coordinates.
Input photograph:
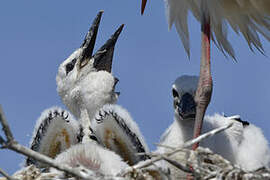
{"type": "Point", "coordinates": [84, 81]}
{"type": "Point", "coordinates": [56, 130]}
{"type": "Point", "coordinates": [243, 144]}
{"type": "Point", "coordinates": [92, 157]}
{"type": "Point", "coordinates": [85, 84]}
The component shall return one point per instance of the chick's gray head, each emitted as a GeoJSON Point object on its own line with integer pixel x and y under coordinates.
{"type": "Point", "coordinates": [84, 77]}
{"type": "Point", "coordinates": [183, 91]}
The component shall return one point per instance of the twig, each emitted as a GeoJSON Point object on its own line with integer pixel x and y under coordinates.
{"type": "Point", "coordinates": [6, 175]}
{"type": "Point", "coordinates": [13, 145]}
{"type": "Point", "coordinates": [176, 164]}
{"type": "Point", "coordinates": [5, 125]}
{"type": "Point", "coordinates": [2, 141]}
{"type": "Point", "coordinates": [206, 135]}
{"type": "Point", "coordinates": [165, 146]}
{"type": "Point", "coordinates": [185, 145]}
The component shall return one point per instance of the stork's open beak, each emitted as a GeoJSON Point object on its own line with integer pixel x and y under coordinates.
{"type": "Point", "coordinates": [102, 59]}
{"type": "Point", "coordinates": [104, 56]}
{"type": "Point", "coordinates": [186, 108]}
{"type": "Point", "coordinates": [89, 41]}
{"type": "Point", "coordinates": [143, 6]}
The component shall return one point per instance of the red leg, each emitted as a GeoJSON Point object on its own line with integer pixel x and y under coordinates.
{"type": "Point", "coordinates": [204, 90]}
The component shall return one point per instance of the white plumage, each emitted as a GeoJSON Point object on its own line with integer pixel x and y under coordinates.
{"type": "Point", "coordinates": [84, 81]}
{"type": "Point", "coordinates": [242, 144]}
{"type": "Point", "coordinates": [92, 157]}
{"type": "Point", "coordinates": [253, 152]}
{"type": "Point", "coordinates": [91, 92]}
{"type": "Point", "coordinates": [248, 17]}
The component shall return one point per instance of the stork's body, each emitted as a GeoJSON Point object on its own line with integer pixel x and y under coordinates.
{"type": "Point", "coordinates": [248, 17]}
{"type": "Point", "coordinates": [243, 144]}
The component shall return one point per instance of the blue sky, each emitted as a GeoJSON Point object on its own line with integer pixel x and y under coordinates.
{"type": "Point", "coordinates": [36, 36]}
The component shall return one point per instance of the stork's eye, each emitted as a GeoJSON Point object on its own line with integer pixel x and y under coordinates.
{"type": "Point", "coordinates": [70, 66]}
{"type": "Point", "coordinates": [175, 93]}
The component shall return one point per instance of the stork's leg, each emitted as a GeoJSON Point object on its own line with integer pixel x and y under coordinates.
{"type": "Point", "coordinates": [204, 89]}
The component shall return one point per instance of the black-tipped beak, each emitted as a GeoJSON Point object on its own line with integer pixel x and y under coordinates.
{"type": "Point", "coordinates": [187, 107]}
{"type": "Point", "coordinates": [143, 6]}
{"type": "Point", "coordinates": [104, 56]}
{"type": "Point", "coordinates": [89, 41]}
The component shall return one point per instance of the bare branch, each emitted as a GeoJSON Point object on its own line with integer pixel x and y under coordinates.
{"type": "Point", "coordinates": [6, 175]}
{"type": "Point", "coordinates": [2, 141]}
{"type": "Point", "coordinates": [44, 159]}
{"type": "Point", "coordinates": [176, 164]}
{"type": "Point", "coordinates": [206, 135]}
{"type": "Point", "coordinates": [5, 125]}
{"type": "Point", "coordinates": [164, 146]}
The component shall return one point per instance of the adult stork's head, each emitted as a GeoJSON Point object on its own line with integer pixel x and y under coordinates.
{"type": "Point", "coordinates": [86, 77]}
{"type": "Point", "coordinates": [183, 91]}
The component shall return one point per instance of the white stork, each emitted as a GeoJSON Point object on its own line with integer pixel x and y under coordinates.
{"type": "Point", "coordinates": [244, 144]}
{"type": "Point", "coordinates": [248, 17]}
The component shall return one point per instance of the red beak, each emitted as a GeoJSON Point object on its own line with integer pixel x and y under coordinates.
{"type": "Point", "coordinates": [143, 6]}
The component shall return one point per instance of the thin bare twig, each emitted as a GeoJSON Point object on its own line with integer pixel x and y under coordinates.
{"type": "Point", "coordinates": [2, 141]}
{"type": "Point", "coordinates": [206, 135]}
{"type": "Point", "coordinates": [5, 125]}
{"type": "Point", "coordinates": [165, 146]}
{"type": "Point", "coordinates": [176, 164]}
{"type": "Point", "coordinates": [185, 145]}
{"type": "Point", "coordinates": [6, 175]}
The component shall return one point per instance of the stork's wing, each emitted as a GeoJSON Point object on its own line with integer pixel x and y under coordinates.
{"type": "Point", "coordinates": [55, 131]}
{"type": "Point", "coordinates": [115, 129]}
{"type": "Point", "coordinates": [248, 17]}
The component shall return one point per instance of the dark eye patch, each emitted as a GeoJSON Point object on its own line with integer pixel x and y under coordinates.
{"type": "Point", "coordinates": [175, 93]}
{"type": "Point", "coordinates": [70, 66]}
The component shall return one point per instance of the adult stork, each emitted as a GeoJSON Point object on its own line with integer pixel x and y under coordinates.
{"type": "Point", "coordinates": [249, 17]}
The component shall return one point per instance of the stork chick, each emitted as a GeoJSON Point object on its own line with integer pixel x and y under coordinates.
{"type": "Point", "coordinates": [243, 144]}
{"type": "Point", "coordinates": [84, 81]}
{"type": "Point", "coordinates": [85, 84]}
